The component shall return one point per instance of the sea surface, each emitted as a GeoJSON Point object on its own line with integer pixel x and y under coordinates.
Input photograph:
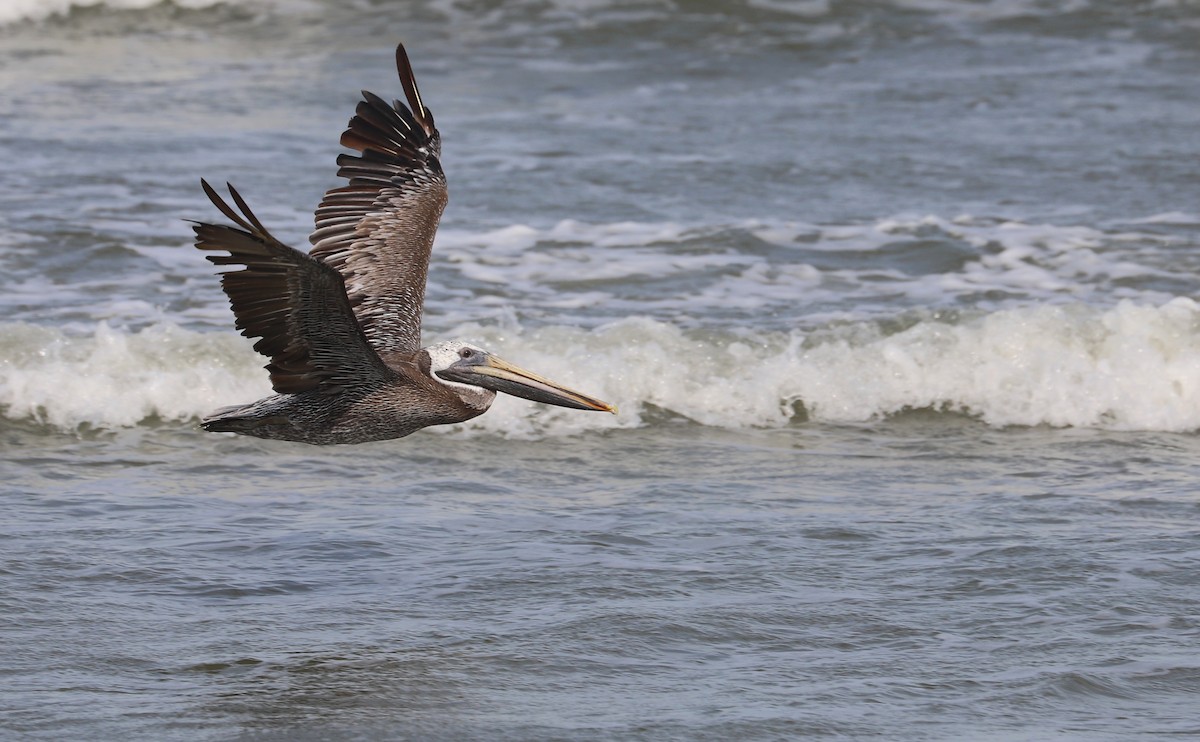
{"type": "Point", "coordinates": [897, 299]}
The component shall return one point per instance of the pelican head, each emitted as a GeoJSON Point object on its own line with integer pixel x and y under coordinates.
{"type": "Point", "coordinates": [456, 363]}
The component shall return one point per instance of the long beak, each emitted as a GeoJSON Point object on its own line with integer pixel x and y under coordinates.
{"type": "Point", "coordinates": [501, 376]}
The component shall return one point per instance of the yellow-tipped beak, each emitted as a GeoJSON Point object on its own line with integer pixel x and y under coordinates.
{"type": "Point", "coordinates": [499, 375]}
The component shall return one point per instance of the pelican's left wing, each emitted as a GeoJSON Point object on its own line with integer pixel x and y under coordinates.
{"type": "Point", "coordinates": [378, 230]}
{"type": "Point", "coordinates": [295, 305]}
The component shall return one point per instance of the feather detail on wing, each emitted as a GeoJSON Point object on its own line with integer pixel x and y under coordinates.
{"type": "Point", "coordinates": [295, 305]}
{"type": "Point", "coordinates": [378, 230]}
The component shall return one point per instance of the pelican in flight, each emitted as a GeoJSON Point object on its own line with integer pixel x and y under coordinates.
{"type": "Point", "coordinates": [342, 323]}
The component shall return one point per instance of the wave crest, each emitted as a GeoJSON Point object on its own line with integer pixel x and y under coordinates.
{"type": "Point", "coordinates": [1131, 367]}
{"type": "Point", "coordinates": [12, 11]}
{"type": "Point", "coordinates": [116, 378]}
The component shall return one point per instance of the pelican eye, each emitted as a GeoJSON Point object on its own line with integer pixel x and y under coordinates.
{"type": "Point", "coordinates": [466, 353]}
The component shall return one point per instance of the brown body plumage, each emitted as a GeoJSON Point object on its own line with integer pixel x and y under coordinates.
{"type": "Point", "coordinates": [342, 324]}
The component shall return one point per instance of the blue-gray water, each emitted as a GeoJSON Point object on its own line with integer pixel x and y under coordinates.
{"type": "Point", "coordinates": [895, 297]}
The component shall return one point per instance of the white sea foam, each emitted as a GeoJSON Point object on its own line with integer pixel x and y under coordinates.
{"type": "Point", "coordinates": [1132, 367]}
{"type": "Point", "coordinates": [801, 272]}
{"type": "Point", "coordinates": [115, 378]}
{"type": "Point", "coordinates": [19, 10]}
{"type": "Point", "coordinates": [614, 11]}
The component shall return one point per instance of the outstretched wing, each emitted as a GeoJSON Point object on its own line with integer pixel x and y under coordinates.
{"type": "Point", "coordinates": [378, 230]}
{"type": "Point", "coordinates": [297, 306]}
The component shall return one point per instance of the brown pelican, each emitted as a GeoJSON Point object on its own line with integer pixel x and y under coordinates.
{"type": "Point", "coordinates": [342, 323]}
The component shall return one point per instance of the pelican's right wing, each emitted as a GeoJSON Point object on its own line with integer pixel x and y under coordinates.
{"type": "Point", "coordinates": [378, 230]}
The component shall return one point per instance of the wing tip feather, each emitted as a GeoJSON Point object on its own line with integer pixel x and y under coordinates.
{"type": "Point", "coordinates": [408, 81]}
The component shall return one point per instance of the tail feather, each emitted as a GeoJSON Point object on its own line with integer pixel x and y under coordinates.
{"type": "Point", "coordinates": [244, 419]}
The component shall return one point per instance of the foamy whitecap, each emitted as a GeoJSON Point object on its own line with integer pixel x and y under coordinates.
{"type": "Point", "coordinates": [116, 378]}
{"type": "Point", "coordinates": [771, 274]}
{"type": "Point", "coordinates": [777, 275]}
{"type": "Point", "coordinates": [1131, 367]}
{"type": "Point", "coordinates": [19, 10]}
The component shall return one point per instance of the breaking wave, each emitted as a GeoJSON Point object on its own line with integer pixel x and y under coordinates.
{"type": "Point", "coordinates": [1129, 367]}
{"type": "Point", "coordinates": [36, 10]}
{"type": "Point", "coordinates": [824, 15]}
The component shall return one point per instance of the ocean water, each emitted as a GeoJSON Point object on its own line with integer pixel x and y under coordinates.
{"type": "Point", "coordinates": [896, 297]}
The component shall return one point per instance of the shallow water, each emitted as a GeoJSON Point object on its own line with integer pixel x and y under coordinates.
{"type": "Point", "coordinates": [923, 577]}
{"type": "Point", "coordinates": [895, 298]}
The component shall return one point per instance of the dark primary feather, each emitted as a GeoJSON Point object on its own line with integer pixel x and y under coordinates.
{"type": "Point", "coordinates": [408, 81]}
{"type": "Point", "coordinates": [296, 305]}
{"type": "Point", "coordinates": [378, 230]}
